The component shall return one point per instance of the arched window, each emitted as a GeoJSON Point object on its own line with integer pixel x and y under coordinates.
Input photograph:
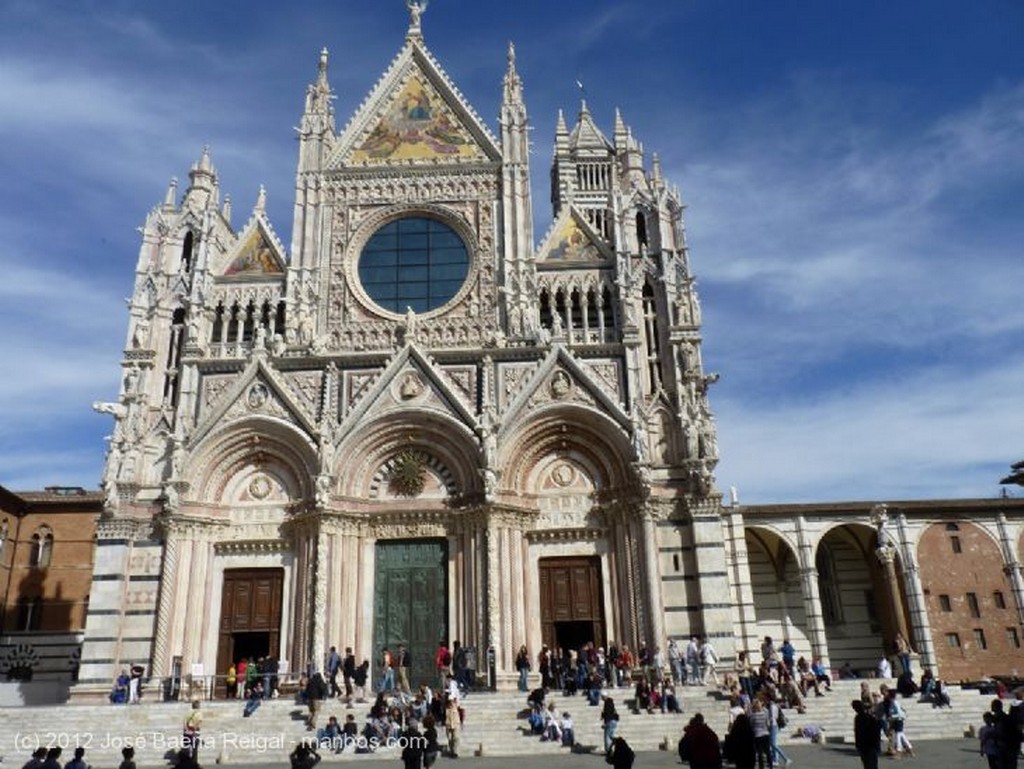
{"type": "Point", "coordinates": [186, 253]}
{"type": "Point", "coordinates": [652, 337]}
{"type": "Point", "coordinates": [828, 586]}
{"type": "Point", "coordinates": [545, 309]}
{"type": "Point", "coordinates": [42, 548]}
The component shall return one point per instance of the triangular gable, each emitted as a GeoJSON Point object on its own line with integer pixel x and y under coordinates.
{"type": "Point", "coordinates": [256, 254]}
{"type": "Point", "coordinates": [258, 391]}
{"type": "Point", "coordinates": [562, 379]}
{"type": "Point", "coordinates": [570, 240]}
{"type": "Point", "coordinates": [414, 115]}
{"type": "Point", "coordinates": [410, 379]}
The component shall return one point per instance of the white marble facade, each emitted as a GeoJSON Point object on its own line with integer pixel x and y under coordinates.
{"type": "Point", "coordinates": [552, 405]}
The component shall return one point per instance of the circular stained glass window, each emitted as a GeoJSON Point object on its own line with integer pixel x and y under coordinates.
{"type": "Point", "coordinates": [413, 263]}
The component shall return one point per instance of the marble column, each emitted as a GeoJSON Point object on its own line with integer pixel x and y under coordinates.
{"type": "Point", "coordinates": [652, 584]}
{"type": "Point", "coordinates": [921, 636]}
{"type": "Point", "coordinates": [160, 664]}
{"type": "Point", "coordinates": [809, 589]}
{"type": "Point", "coordinates": [1011, 564]}
{"type": "Point", "coordinates": [886, 555]}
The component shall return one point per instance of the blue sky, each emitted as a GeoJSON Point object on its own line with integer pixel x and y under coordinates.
{"type": "Point", "coordinates": [854, 175]}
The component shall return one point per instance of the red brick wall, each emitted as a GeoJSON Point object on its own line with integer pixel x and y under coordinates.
{"type": "Point", "coordinates": [976, 570]}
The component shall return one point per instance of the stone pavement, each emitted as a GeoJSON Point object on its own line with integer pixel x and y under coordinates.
{"type": "Point", "coordinates": [931, 754]}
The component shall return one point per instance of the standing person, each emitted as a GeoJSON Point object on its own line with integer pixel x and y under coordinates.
{"type": "Point", "coordinates": [348, 671]}
{"type": "Point", "coordinates": [759, 718]}
{"type": "Point", "coordinates": [135, 684]}
{"type": "Point", "coordinates": [333, 668]}
{"type": "Point", "coordinates": [745, 674]}
{"type": "Point", "coordinates": [614, 668]}
{"type": "Point", "coordinates": [788, 655]}
{"type": "Point", "coordinates": [442, 661]}
{"type": "Point", "coordinates": [675, 661]}
{"type": "Point", "coordinates": [902, 650]}
{"type": "Point", "coordinates": [403, 668]}
{"type": "Point", "coordinates": [359, 678]}
{"type": "Point", "coordinates": [988, 741]}
{"type": "Point", "coordinates": [897, 722]}
{"type": "Point", "coordinates": [709, 663]}
{"type": "Point", "coordinates": [190, 737]}
{"type": "Point", "coordinates": [431, 747]}
{"type": "Point", "coordinates": [693, 661]}
{"type": "Point", "coordinates": [701, 744]}
{"type": "Point", "coordinates": [231, 682]}
{"type": "Point", "coordinates": [452, 724]}
{"type": "Point", "coordinates": [38, 756]}
{"type": "Point", "coordinates": [316, 690]}
{"type": "Point", "coordinates": [412, 750]}
{"type": "Point", "coordinates": [523, 666]}
{"type": "Point", "coordinates": [52, 760]}
{"type": "Point", "coordinates": [387, 670]}
{"type": "Point", "coordinates": [610, 720]}
{"type": "Point", "coordinates": [242, 670]}
{"type": "Point", "coordinates": [776, 723]}
{"type": "Point", "coordinates": [739, 745]}
{"type": "Point", "coordinates": [867, 734]}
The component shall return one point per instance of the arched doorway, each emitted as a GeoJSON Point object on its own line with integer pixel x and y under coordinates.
{"type": "Point", "coordinates": [778, 598]}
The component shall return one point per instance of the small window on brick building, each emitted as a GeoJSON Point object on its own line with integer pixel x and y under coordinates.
{"type": "Point", "coordinates": [1012, 638]}
{"type": "Point", "coordinates": [30, 613]}
{"type": "Point", "coordinates": [944, 603]}
{"type": "Point", "coordinates": [952, 527]}
{"type": "Point", "coordinates": [999, 600]}
{"type": "Point", "coordinates": [675, 561]}
{"type": "Point", "coordinates": [979, 638]}
{"type": "Point", "coordinates": [972, 604]}
{"type": "Point", "coordinates": [954, 542]}
{"type": "Point", "coordinates": [953, 640]}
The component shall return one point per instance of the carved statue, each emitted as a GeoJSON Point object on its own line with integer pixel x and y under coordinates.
{"type": "Point", "coordinates": [140, 337]}
{"type": "Point", "coordinates": [323, 490]}
{"type": "Point", "coordinates": [118, 410]}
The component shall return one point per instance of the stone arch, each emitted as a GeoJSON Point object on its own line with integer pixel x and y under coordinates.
{"type": "Point", "coordinates": [227, 462]}
{"type": "Point", "coordinates": [961, 568]}
{"type": "Point", "coordinates": [776, 588]}
{"type": "Point", "coordinates": [588, 441]}
{"type": "Point", "coordinates": [856, 610]}
{"type": "Point", "coordinates": [449, 450]}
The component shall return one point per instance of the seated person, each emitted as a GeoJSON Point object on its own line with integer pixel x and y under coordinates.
{"type": "Point", "coordinates": [806, 678]}
{"type": "Point", "coordinates": [536, 720]}
{"type": "Point", "coordinates": [941, 696]}
{"type": "Point", "coordinates": [821, 674]}
{"type": "Point", "coordinates": [594, 690]}
{"type": "Point", "coordinates": [119, 695]}
{"type": "Point", "coordinates": [643, 695]}
{"type": "Point", "coordinates": [552, 727]}
{"type": "Point", "coordinates": [568, 734]}
{"type": "Point", "coordinates": [905, 684]}
{"type": "Point", "coordinates": [846, 672]}
{"type": "Point", "coordinates": [255, 699]}
{"type": "Point", "coordinates": [329, 736]}
{"type": "Point", "coordinates": [927, 685]}
{"type": "Point", "coordinates": [669, 701]}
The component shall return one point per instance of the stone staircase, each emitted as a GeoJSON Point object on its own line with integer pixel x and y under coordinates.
{"type": "Point", "coordinates": [492, 724]}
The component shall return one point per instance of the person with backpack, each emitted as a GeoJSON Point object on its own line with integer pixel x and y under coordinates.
{"type": "Point", "coordinates": [777, 721]}
{"type": "Point", "coordinates": [897, 719]}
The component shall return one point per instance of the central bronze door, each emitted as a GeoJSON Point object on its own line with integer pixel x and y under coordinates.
{"type": "Point", "coordinates": [571, 609]}
{"type": "Point", "coordinates": [410, 603]}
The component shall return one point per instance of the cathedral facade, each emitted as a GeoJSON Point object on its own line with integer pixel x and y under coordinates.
{"type": "Point", "coordinates": [412, 424]}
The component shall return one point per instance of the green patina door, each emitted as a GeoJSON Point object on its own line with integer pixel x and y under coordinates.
{"type": "Point", "coordinates": [410, 603]}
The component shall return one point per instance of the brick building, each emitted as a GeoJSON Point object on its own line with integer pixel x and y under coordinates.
{"type": "Point", "coordinates": [47, 540]}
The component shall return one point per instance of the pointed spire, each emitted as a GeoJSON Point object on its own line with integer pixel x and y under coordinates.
{"type": "Point", "coordinates": [202, 181]}
{"type": "Point", "coordinates": [261, 201]}
{"type": "Point", "coordinates": [620, 124]}
{"type": "Point", "coordinates": [171, 198]}
{"type": "Point", "coordinates": [513, 83]}
{"type": "Point", "coordinates": [225, 212]}
{"type": "Point", "coordinates": [584, 109]}
{"type": "Point", "coordinates": [560, 126]}
{"type": "Point", "coordinates": [656, 168]}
